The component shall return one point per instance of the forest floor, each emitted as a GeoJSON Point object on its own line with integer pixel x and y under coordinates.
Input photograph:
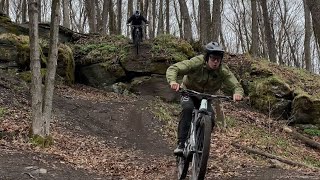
{"type": "Point", "coordinates": [103, 135]}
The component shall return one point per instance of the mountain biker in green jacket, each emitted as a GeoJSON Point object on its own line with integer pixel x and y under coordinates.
{"type": "Point", "coordinates": [203, 73]}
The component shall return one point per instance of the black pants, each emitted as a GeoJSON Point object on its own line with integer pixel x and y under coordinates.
{"type": "Point", "coordinates": [133, 32]}
{"type": "Point", "coordinates": [188, 104]}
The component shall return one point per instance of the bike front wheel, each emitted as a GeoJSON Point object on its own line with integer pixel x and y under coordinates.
{"type": "Point", "coordinates": [202, 149]}
{"type": "Point", "coordinates": [182, 167]}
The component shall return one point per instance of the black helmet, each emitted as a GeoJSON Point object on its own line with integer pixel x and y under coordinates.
{"type": "Point", "coordinates": [137, 13]}
{"type": "Point", "coordinates": [213, 48]}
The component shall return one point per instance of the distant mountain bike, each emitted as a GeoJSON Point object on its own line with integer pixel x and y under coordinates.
{"type": "Point", "coordinates": [197, 146]}
{"type": "Point", "coordinates": [137, 36]}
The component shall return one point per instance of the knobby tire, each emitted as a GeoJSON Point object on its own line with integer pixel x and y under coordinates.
{"type": "Point", "coordinates": [201, 155]}
{"type": "Point", "coordinates": [183, 165]}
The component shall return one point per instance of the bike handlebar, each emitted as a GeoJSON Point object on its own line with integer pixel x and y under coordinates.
{"type": "Point", "coordinates": [190, 92]}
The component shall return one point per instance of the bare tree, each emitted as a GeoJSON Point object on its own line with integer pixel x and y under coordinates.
{"type": "Point", "coordinates": [167, 16]}
{"type": "Point", "coordinates": [178, 18]}
{"type": "Point", "coordinates": [314, 6]}
{"type": "Point", "coordinates": [185, 20]}
{"type": "Point", "coordinates": [40, 11]}
{"type": "Point", "coordinates": [272, 52]}
{"type": "Point", "coordinates": [36, 94]}
{"type": "Point", "coordinates": [112, 22]}
{"type": "Point", "coordinates": [153, 19]}
{"type": "Point", "coordinates": [24, 11]}
{"type": "Point", "coordinates": [91, 13]}
{"type": "Point", "coordinates": [105, 16]}
{"type": "Point", "coordinates": [216, 19]}
{"type": "Point", "coordinates": [66, 13]}
{"type": "Point", "coordinates": [42, 106]}
{"type": "Point", "coordinates": [129, 13]}
{"type": "Point", "coordinates": [119, 16]}
{"type": "Point", "coordinates": [51, 65]}
{"type": "Point", "coordinates": [205, 21]}
{"type": "Point", "coordinates": [254, 30]}
{"type": "Point", "coordinates": [307, 37]}
{"type": "Point", "coordinates": [160, 22]}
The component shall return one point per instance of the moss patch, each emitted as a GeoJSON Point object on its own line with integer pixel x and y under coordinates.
{"type": "Point", "coordinates": [312, 132]}
{"type": "Point", "coordinates": [26, 75]}
{"type": "Point", "coordinates": [65, 55]}
{"type": "Point", "coordinates": [43, 142]}
{"type": "Point", "coordinates": [172, 47]}
{"type": "Point", "coordinates": [2, 111]}
{"type": "Point", "coordinates": [101, 49]}
{"type": "Point", "coordinates": [168, 114]}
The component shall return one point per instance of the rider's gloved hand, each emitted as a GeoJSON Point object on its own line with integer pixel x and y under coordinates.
{"type": "Point", "coordinates": [237, 97]}
{"type": "Point", "coordinates": [175, 86]}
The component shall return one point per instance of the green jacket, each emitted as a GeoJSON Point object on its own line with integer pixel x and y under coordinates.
{"type": "Point", "coordinates": [199, 77]}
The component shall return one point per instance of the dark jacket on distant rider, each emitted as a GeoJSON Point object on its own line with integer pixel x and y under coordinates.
{"type": "Point", "coordinates": [137, 20]}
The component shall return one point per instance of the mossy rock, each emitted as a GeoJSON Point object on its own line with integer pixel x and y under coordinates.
{"type": "Point", "coordinates": [101, 50]}
{"type": "Point", "coordinates": [172, 48]}
{"type": "Point", "coordinates": [66, 64]}
{"type": "Point", "coordinates": [21, 43]}
{"type": "Point", "coordinates": [306, 109]}
{"type": "Point", "coordinates": [267, 94]}
{"type": "Point", "coordinates": [101, 75]}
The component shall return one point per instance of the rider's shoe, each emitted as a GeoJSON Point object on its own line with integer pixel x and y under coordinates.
{"type": "Point", "coordinates": [179, 150]}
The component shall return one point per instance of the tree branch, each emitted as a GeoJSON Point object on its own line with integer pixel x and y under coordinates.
{"type": "Point", "coordinates": [271, 156]}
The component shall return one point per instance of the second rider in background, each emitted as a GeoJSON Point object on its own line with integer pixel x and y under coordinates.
{"type": "Point", "coordinates": [205, 74]}
{"type": "Point", "coordinates": [136, 19]}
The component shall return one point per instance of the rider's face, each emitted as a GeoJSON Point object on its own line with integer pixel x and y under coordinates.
{"type": "Point", "coordinates": [214, 61]}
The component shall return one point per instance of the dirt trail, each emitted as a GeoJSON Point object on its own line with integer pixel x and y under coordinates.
{"type": "Point", "coordinates": [100, 135]}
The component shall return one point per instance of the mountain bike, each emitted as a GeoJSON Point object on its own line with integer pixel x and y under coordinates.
{"type": "Point", "coordinates": [137, 36]}
{"type": "Point", "coordinates": [197, 146]}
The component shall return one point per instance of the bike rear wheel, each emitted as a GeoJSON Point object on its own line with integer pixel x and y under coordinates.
{"type": "Point", "coordinates": [202, 149]}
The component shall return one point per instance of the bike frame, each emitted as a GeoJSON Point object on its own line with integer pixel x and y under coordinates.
{"type": "Point", "coordinates": [191, 151]}
{"type": "Point", "coordinates": [203, 110]}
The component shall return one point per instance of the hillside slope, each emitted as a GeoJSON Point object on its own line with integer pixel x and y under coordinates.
{"type": "Point", "coordinates": [103, 135]}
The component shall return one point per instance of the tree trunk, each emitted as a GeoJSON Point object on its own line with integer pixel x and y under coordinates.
{"type": "Point", "coordinates": [160, 22]}
{"type": "Point", "coordinates": [2, 6]}
{"type": "Point", "coordinates": [186, 20]}
{"type": "Point", "coordinates": [24, 11]}
{"type": "Point", "coordinates": [66, 14]}
{"type": "Point", "coordinates": [167, 17]}
{"type": "Point", "coordinates": [91, 14]}
{"type": "Point", "coordinates": [205, 21]}
{"type": "Point", "coordinates": [178, 19]}
{"type": "Point", "coordinates": [105, 16]}
{"type": "Point", "coordinates": [36, 94]}
{"type": "Point", "coordinates": [268, 33]}
{"type": "Point", "coordinates": [307, 37]}
{"type": "Point", "coordinates": [314, 7]}
{"type": "Point", "coordinates": [112, 23]}
{"type": "Point", "coordinates": [255, 30]}
{"type": "Point", "coordinates": [98, 17]}
{"type": "Point", "coordinates": [39, 11]}
{"type": "Point", "coordinates": [119, 4]}
{"type": "Point", "coordinates": [52, 65]}
{"type": "Point", "coordinates": [216, 19]}
{"type": "Point", "coordinates": [152, 28]}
